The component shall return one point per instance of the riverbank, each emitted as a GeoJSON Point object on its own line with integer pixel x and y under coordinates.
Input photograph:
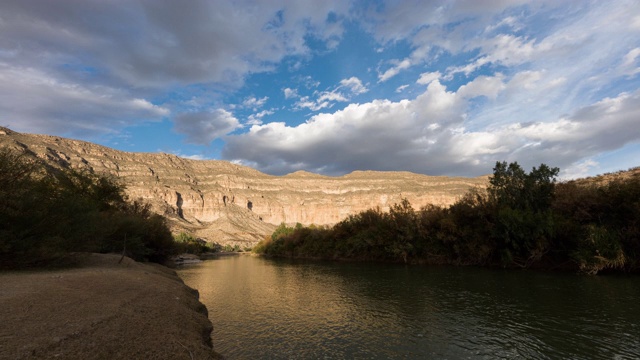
{"type": "Point", "coordinates": [102, 309]}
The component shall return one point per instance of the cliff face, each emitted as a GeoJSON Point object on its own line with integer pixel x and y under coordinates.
{"type": "Point", "coordinates": [228, 203]}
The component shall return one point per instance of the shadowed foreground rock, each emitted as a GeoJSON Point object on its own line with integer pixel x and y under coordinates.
{"type": "Point", "coordinates": [102, 310]}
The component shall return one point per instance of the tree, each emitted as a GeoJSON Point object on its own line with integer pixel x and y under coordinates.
{"type": "Point", "coordinates": [404, 230]}
{"type": "Point", "coordinates": [46, 214]}
{"type": "Point", "coordinates": [522, 207]}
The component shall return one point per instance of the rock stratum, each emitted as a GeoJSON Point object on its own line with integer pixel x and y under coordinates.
{"type": "Point", "coordinates": [227, 203]}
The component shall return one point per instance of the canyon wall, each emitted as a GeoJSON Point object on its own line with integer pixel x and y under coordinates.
{"type": "Point", "coordinates": [232, 204]}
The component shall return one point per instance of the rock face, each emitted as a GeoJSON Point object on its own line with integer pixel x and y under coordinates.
{"type": "Point", "coordinates": [233, 204]}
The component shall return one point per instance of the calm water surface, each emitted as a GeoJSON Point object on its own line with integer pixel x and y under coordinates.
{"type": "Point", "coordinates": [263, 308]}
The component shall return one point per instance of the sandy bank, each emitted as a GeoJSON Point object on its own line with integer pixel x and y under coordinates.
{"type": "Point", "coordinates": [102, 310]}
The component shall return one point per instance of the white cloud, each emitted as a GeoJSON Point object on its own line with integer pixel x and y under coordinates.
{"type": "Point", "coordinates": [630, 58]}
{"type": "Point", "coordinates": [354, 84]}
{"type": "Point", "coordinates": [161, 42]}
{"type": "Point", "coordinates": [578, 170]}
{"type": "Point", "coordinates": [305, 102]}
{"type": "Point", "coordinates": [506, 50]}
{"type": "Point", "coordinates": [450, 26]}
{"type": "Point", "coordinates": [308, 82]}
{"type": "Point", "coordinates": [427, 77]}
{"type": "Point", "coordinates": [155, 46]}
{"type": "Point", "coordinates": [373, 135]}
{"type": "Point", "coordinates": [143, 104]}
{"type": "Point", "coordinates": [489, 86]}
{"type": "Point", "coordinates": [510, 22]}
{"type": "Point", "coordinates": [326, 99]}
{"type": "Point", "coordinates": [190, 157]}
{"type": "Point", "coordinates": [253, 102]}
{"type": "Point", "coordinates": [431, 134]}
{"type": "Point", "coordinates": [395, 70]}
{"type": "Point", "coordinates": [256, 119]}
{"type": "Point", "coordinates": [290, 93]}
{"type": "Point", "coordinates": [334, 95]}
{"type": "Point", "coordinates": [527, 79]}
{"type": "Point", "coordinates": [630, 65]}
{"type": "Point", "coordinates": [401, 88]}
{"type": "Point", "coordinates": [399, 20]}
{"type": "Point", "coordinates": [204, 127]}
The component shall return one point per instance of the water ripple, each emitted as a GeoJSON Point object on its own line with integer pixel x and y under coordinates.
{"type": "Point", "coordinates": [297, 310]}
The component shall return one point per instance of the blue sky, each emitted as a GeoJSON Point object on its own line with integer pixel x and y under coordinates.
{"type": "Point", "coordinates": [433, 87]}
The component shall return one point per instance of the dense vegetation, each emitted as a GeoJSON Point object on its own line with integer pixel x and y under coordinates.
{"type": "Point", "coordinates": [47, 214]}
{"type": "Point", "coordinates": [188, 244]}
{"type": "Point", "coordinates": [521, 220]}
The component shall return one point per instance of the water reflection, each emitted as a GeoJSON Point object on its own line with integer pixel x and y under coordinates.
{"type": "Point", "coordinates": [265, 308]}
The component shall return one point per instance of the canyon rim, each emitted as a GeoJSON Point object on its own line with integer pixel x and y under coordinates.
{"type": "Point", "coordinates": [229, 204]}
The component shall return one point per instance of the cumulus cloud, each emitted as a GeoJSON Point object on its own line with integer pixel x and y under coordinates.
{"type": "Point", "coordinates": [430, 134]}
{"type": "Point", "coordinates": [204, 127]}
{"type": "Point", "coordinates": [371, 136]}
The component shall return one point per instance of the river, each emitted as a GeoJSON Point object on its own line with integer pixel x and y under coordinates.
{"type": "Point", "coordinates": [280, 309]}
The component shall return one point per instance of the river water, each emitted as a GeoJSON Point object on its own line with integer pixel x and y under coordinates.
{"type": "Point", "coordinates": [278, 309]}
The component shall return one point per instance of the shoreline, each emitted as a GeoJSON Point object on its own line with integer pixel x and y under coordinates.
{"type": "Point", "coordinates": [102, 309]}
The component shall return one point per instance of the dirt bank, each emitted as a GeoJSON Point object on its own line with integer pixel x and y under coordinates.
{"type": "Point", "coordinates": [102, 310]}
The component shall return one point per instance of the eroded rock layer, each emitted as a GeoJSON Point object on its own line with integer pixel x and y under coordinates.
{"type": "Point", "coordinates": [232, 204]}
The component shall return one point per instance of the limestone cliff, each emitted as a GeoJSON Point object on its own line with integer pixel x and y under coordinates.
{"type": "Point", "coordinates": [228, 203]}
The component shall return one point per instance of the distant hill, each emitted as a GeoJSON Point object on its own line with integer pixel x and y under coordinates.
{"type": "Point", "coordinates": [232, 204]}
{"type": "Point", "coordinates": [608, 177]}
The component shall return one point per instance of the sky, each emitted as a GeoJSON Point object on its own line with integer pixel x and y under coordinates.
{"type": "Point", "coordinates": [432, 87]}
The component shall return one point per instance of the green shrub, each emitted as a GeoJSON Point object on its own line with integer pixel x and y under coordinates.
{"type": "Point", "coordinates": [187, 243]}
{"type": "Point", "coordinates": [521, 220]}
{"type": "Point", "coordinates": [46, 214]}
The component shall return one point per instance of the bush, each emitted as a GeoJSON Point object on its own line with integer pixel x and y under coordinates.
{"type": "Point", "coordinates": [521, 220]}
{"type": "Point", "coordinates": [48, 214]}
{"type": "Point", "coordinates": [187, 243]}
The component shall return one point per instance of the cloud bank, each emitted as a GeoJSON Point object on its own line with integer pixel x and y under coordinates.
{"type": "Point", "coordinates": [429, 133]}
{"type": "Point", "coordinates": [443, 87]}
